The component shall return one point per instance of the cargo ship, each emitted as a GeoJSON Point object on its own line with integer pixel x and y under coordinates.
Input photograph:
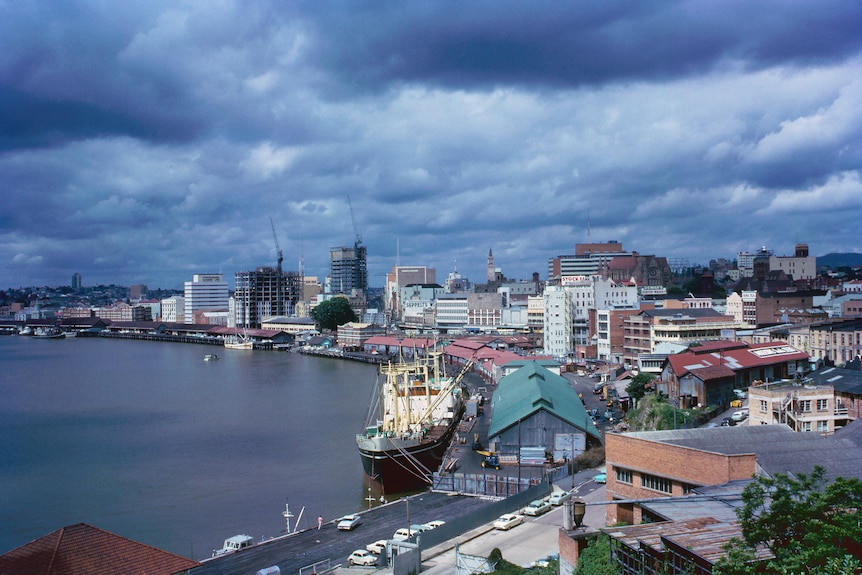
{"type": "Point", "coordinates": [412, 419]}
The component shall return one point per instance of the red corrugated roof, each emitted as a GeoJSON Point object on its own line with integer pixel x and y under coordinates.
{"type": "Point", "coordinates": [86, 550]}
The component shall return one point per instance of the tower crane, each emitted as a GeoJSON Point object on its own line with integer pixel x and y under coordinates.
{"type": "Point", "coordinates": [279, 278]}
{"type": "Point", "coordinates": [358, 237]}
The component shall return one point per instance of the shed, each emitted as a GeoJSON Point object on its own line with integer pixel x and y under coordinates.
{"type": "Point", "coordinates": [534, 408]}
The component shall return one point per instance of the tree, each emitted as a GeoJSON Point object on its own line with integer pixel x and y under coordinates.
{"type": "Point", "coordinates": [806, 527]}
{"type": "Point", "coordinates": [333, 313]}
{"type": "Point", "coordinates": [596, 558]}
{"type": "Point", "coordinates": [637, 386]}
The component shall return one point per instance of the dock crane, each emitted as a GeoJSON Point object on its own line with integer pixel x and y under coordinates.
{"type": "Point", "coordinates": [279, 278]}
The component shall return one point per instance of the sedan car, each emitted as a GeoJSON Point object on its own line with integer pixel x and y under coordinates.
{"type": "Point", "coordinates": [559, 497]}
{"type": "Point", "coordinates": [601, 478]}
{"type": "Point", "coordinates": [435, 524]}
{"type": "Point", "coordinates": [362, 557]}
{"type": "Point", "coordinates": [537, 507]}
{"type": "Point", "coordinates": [508, 521]}
{"type": "Point", "coordinates": [348, 522]}
{"type": "Point", "coordinates": [377, 547]}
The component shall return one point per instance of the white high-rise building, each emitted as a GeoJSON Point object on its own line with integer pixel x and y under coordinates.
{"type": "Point", "coordinates": [174, 309]}
{"type": "Point", "coordinates": [205, 291]}
{"type": "Point", "coordinates": [559, 313]}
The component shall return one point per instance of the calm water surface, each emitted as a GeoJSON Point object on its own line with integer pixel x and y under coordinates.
{"type": "Point", "coordinates": [147, 440]}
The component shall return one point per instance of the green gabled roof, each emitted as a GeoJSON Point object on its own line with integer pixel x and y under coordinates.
{"type": "Point", "coordinates": [532, 388]}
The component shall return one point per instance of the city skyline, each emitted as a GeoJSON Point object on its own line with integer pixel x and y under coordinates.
{"type": "Point", "coordinates": [143, 144]}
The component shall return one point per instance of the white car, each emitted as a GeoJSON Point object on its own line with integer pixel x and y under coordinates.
{"type": "Point", "coordinates": [435, 524]}
{"type": "Point", "coordinates": [348, 522]}
{"type": "Point", "coordinates": [508, 521]}
{"type": "Point", "coordinates": [739, 416]}
{"type": "Point", "coordinates": [559, 497]}
{"type": "Point", "coordinates": [377, 547]}
{"type": "Point", "coordinates": [362, 557]}
{"type": "Point", "coordinates": [537, 507]}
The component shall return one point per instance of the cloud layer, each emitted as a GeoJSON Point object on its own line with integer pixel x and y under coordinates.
{"type": "Point", "coordinates": [144, 142]}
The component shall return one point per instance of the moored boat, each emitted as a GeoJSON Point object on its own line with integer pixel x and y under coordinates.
{"type": "Point", "coordinates": [413, 418]}
{"type": "Point", "coordinates": [48, 333]}
{"type": "Point", "coordinates": [238, 342]}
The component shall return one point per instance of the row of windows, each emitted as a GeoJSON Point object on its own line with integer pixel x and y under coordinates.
{"type": "Point", "coordinates": [648, 481]}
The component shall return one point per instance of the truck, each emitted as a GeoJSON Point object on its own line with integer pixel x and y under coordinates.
{"type": "Point", "coordinates": [489, 459]}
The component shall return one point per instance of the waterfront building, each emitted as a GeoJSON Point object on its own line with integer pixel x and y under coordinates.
{"type": "Point", "coordinates": [205, 291]}
{"type": "Point", "coordinates": [353, 335]}
{"type": "Point", "coordinates": [173, 309]}
{"type": "Point", "coordinates": [263, 293]}
{"type": "Point", "coordinates": [416, 304]}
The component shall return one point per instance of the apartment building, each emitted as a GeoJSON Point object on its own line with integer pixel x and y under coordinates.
{"type": "Point", "coordinates": [801, 407]}
{"type": "Point", "coordinates": [650, 328]}
{"type": "Point", "coordinates": [836, 343]}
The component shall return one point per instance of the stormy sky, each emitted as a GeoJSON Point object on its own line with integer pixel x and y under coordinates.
{"type": "Point", "coordinates": [146, 141]}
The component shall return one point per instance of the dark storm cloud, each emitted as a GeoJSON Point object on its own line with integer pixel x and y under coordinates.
{"type": "Point", "coordinates": [144, 142]}
{"type": "Point", "coordinates": [561, 44]}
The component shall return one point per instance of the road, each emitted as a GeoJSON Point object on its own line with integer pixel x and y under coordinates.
{"type": "Point", "coordinates": [536, 539]}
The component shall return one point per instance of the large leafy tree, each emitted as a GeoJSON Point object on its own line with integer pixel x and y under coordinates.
{"type": "Point", "coordinates": [333, 312]}
{"type": "Point", "coordinates": [806, 526]}
{"type": "Point", "coordinates": [637, 387]}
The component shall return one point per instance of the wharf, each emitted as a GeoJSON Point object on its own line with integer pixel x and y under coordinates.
{"type": "Point", "coordinates": [329, 547]}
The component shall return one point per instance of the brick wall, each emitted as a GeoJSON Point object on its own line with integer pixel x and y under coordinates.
{"type": "Point", "coordinates": [683, 466]}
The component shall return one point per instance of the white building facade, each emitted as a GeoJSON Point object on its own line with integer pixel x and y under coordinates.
{"type": "Point", "coordinates": [205, 291]}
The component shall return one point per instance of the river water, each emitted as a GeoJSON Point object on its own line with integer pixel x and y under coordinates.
{"type": "Point", "coordinates": [148, 441]}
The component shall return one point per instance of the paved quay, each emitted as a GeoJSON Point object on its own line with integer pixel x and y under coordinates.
{"type": "Point", "coordinates": [312, 546]}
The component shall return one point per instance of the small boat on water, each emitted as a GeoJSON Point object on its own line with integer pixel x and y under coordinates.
{"type": "Point", "coordinates": [210, 357]}
{"type": "Point", "coordinates": [238, 342]}
{"type": "Point", "coordinates": [48, 333]}
{"type": "Point", "coordinates": [412, 420]}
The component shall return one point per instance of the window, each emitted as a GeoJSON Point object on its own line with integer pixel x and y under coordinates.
{"type": "Point", "coordinates": [764, 406]}
{"type": "Point", "coordinates": [623, 475]}
{"type": "Point", "coordinates": [822, 426]}
{"type": "Point", "coordinates": [822, 404]}
{"type": "Point", "coordinates": [806, 426]}
{"type": "Point", "coordinates": [805, 405]}
{"type": "Point", "coordinates": [656, 483]}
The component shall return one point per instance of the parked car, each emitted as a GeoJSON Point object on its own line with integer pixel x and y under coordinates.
{"type": "Point", "coordinates": [736, 403]}
{"type": "Point", "coordinates": [739, 416]}
{"type": "Point", "coordinates": [435, 524]}
{"type": "Point", "coordinates": [362, 557]}
{"type": "Point", "coordinates": [377, 547]}
{"type": "Point", "coordinates": [727, 422]}
{"type": "Point", "coordinates": [559, 497]}
{"type": "Point", "coordinates": [507, 521]}
{"type": "Point", "coordinates": [348, 522]}
{"type": "Point", "coordinates": [601, 477]}
{"type": "Point", "coordinates": [537, 507]}
{"type": "Point", "coordinates": [739, 393]}
{"type": "Point", "coordinates": [403, 534]}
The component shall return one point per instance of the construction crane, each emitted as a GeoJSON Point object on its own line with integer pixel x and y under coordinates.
{"type": "Point", "coordinates": [358, 237]}
{"type": "Point", "coordinates": [279, 278]}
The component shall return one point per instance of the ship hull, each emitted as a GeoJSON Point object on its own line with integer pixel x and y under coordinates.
{"type": "Point", "coordinates": [407, 469]}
